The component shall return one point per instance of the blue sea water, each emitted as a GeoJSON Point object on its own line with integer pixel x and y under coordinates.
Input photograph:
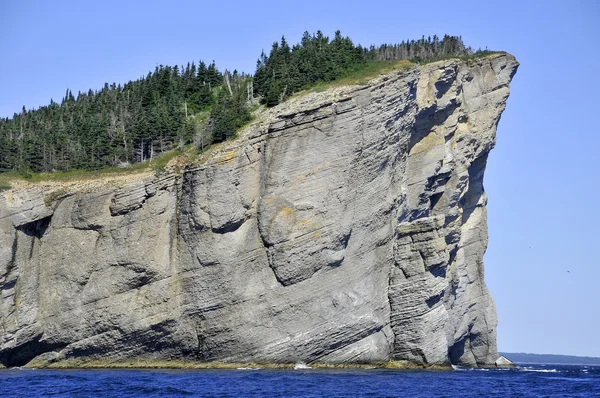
{"type": "Point", "coordinates": [529, 381]}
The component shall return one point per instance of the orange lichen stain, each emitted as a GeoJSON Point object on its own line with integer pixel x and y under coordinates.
{"type": "Point", "coordinates": [462, 129]}
{"type": "Point", "coordinates": [228, 157]}
{"type": "Point", "coordinates": [315, 235]}
{"type": "Point", "coordinates": [10, 197]}
{"type": "Point", "coordinates": [286, 213]}
{"type": "Point", "coordinates": [306, 224]}
{"type": "Point", "coordinates": [299, 180]}
{"type": "Point", "coordinates": [428, 142]}
{"type": "Point", "coordinates": [284, 220]}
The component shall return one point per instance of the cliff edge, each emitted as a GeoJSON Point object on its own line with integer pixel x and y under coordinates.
{"type": "Point", "coordinates": [342, 227]}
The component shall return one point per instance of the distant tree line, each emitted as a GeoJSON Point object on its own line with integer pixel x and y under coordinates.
{"type": "Point", "coordinates": [143, 118]}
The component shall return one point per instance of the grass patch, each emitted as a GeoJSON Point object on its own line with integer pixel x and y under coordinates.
{"type": "Point", "coordinates": [71, 175]}
{"type": "Point", "coordinates": [54, 196]}
{"type": "Point", "coordinates": [361, 76]}
{"type": "Point", "coordinates": [187, 156]}
{"type": "Point", "coordinates": [375, 69]}
{"type": "Point", "coordinates": [157, 164]}
{"type": "Point", "coordinates": [4, 186]}
{"type": "Point", "coordinates": [5, 179]}
{"type": "Point", "coordinates": [471, 57]}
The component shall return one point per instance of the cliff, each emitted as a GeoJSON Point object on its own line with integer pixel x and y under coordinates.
{"type": "Point", "coordinates": [346, 226]}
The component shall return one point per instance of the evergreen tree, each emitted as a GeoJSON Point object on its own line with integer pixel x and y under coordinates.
{"type": "Point", "coordinates": [142, 118]}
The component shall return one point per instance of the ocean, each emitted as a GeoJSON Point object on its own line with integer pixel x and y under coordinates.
{"type": "Point", "coordinates": [528, 381]}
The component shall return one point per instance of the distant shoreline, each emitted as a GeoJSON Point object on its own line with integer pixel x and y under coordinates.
{"type": "Point", "coordinates": [550, 359]}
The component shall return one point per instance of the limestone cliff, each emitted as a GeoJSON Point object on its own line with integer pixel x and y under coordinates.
{"type": "Point", "coordinates": [346, 226]}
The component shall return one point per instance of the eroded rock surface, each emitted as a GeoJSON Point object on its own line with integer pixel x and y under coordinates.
{"type": "Point", "coordinates": [347, 226]}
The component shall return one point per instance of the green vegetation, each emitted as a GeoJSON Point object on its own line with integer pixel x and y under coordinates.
{"type": "Point", "coordinates": [363, 75]}
{"type": "Point", "coordinates": [54, 196]}
{"type": "Point", "coordinates": [468, 57]}
{"type": "Point", "coordinates": [157, 164]}
{"type": "Point", "coordinates": [316, 59]}
{"type": "Point", "coordinates": [146, 122]}
{"type": "Point", "coordinates": [119, 125]}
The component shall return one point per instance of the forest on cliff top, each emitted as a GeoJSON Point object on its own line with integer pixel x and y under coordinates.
{"type": "Point", "coordinates": [195, 104]}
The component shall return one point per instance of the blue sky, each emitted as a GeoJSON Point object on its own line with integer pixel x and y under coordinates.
{"type": "Point", "coordinates": [542, 179]}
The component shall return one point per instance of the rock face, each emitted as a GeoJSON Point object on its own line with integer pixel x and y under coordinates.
{"type": "Point", "coordinates": [347, 226]}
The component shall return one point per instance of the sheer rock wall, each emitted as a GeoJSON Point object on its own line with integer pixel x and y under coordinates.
{"type": "Point", "coordinates": [347, 226]}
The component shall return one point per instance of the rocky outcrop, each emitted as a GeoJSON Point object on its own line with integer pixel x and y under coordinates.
{"type": "Point", "coordinates": [346, 226]}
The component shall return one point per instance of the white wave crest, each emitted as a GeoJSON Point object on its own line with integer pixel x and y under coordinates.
{"type": "Point", "coordinates": [539, 370]}
{"type": "Point", "coordinates": [301, 365]}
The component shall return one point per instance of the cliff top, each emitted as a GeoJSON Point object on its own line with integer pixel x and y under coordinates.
{"type": "Point", "coordinates": [262, 117]}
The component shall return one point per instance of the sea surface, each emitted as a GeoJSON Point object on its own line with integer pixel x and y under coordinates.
{"type": "Point", "coordinates": [528, 381]}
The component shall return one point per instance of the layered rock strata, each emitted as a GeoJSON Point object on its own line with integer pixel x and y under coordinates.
{"type": "Point", "coordinates": [347, 226]}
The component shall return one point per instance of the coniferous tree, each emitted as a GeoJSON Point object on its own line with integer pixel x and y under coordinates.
{"type": "Point", "coordinates": [138, 120]}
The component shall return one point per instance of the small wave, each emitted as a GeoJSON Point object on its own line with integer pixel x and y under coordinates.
{"type": "Point", "coordinates": [301, 365]}
{"type": "Point", "coordinates": [248, 368]}
{"type": "Point", "coordinates": [467, 369]}
{"type": "Point", "coordinates": [540, 370]}
{"type": "Point", "coordinates": [579, 379]}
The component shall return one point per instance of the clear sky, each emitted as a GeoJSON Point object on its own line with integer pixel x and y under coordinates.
{"type": "Point", "coordinates": [543, 178]}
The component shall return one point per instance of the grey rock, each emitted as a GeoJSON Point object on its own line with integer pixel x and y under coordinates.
{"type": "Point", "coordinates": [504, 363]}
{"type": "Point", "coordinates": [342, 226]}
